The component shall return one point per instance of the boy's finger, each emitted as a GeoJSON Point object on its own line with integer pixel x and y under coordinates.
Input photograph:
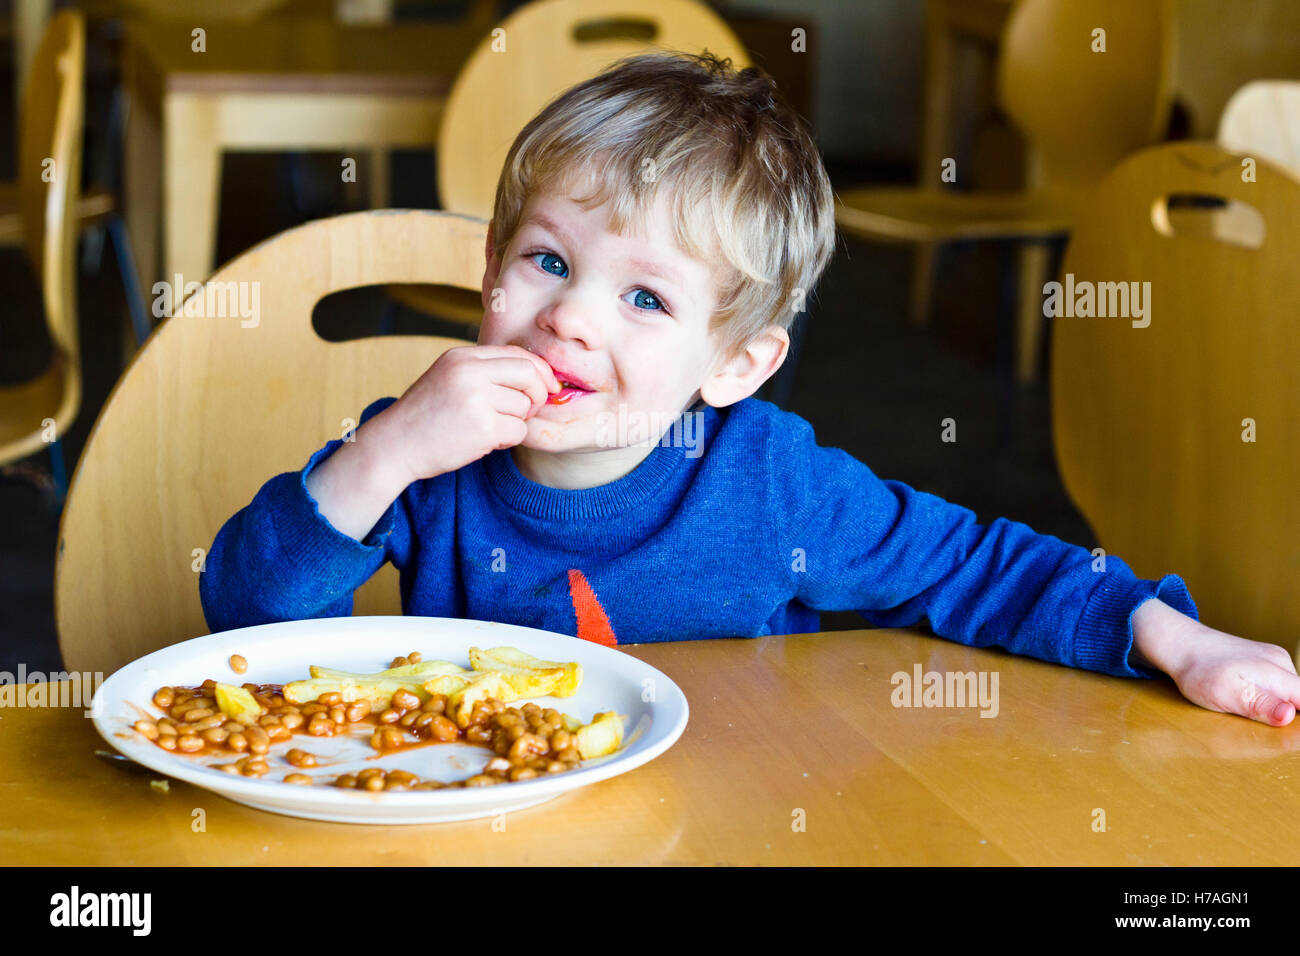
{"type": "Point", "coordinates": [1269, 709]}
{"type": "Point", "coordinates": [520, 373]}
{"type": "Point", "coordinates": [514, 351]}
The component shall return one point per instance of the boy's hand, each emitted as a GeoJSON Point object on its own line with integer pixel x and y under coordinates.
{"type": "Point", "coordinates": [473, 400]}
{"type": "Point", "coordinates": [1216, 670]}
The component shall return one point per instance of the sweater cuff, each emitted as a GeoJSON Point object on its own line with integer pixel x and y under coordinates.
{"type": "Point", "coordinates": [311, 543]}
{"type": "Point", "coordinates": [1104, 638]}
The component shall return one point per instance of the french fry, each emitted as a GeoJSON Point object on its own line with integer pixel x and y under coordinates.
{"type": "Point", "coordinates": [423, 670]}
{"type": "Point", "coordinates": [378, 691]}
{"type": "Point", "coordinates": [602, 736]}
{"type": "Point", "coordinates": [528, 675]}
{"type": "Point", "coordinates": [237, 703]}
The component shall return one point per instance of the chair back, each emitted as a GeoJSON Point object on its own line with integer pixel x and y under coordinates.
{"type": "Point", "coordinates": [538, 52]}
{"type": "Point", "coordinates": [1263, 119]}
{"type": "Point", "coordinates": [233, 389]}
{"type": "Point", "coordinates": [1084, 109]}
{"type": "Point", "coordinates": [49, 171]}
{"type": "Point", "coordinates": [1177, 437]}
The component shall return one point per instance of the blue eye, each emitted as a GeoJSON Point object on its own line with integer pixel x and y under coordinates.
{"type": "Point", "coordinates": [549, 261]}
{"type": "Point", "coordinates": [647, 300]}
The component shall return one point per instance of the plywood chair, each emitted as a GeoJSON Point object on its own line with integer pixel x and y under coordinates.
{"type": "Point", "coordinates": [550, 46]}
{"type": "Point", "coordinates": [1149, 421]}
{"type": "Point", "coordinates": [34, 415]}
{"type": "Point", "coordinates": [1263, 119]}
{"type": "Point", "coordinates": [1081, 111]}
{"type": "Point", "coordinates": [214, 405]}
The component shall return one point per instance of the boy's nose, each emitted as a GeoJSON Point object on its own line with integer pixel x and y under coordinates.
{"type": "Point", "coordinates": [570, 320]}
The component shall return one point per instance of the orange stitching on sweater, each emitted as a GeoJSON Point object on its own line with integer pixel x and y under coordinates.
{"type": "Point", "coordinates": [593, 623]}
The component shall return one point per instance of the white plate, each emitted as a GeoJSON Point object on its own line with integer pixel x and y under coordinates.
{"type": "Point", "coordinates": [279, 653]}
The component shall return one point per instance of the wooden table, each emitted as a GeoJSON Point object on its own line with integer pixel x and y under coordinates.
{"type": "Point", "coordinates": [778, 725]}
{"type": "Point", "coordinates": [274, 85]}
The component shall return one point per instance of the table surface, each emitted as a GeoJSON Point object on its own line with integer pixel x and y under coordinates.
{"type": "Point", "coordinates": [303, 55]}
{"type": "Point", "coordinates": [778, 725]}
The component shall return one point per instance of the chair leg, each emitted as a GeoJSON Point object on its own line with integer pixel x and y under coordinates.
{"type": "Point", "coordinates": [1035, 260]}
{"type": "Point", "coordinates": [927, 255]}
{"type": "Point", "coordinates": [130, 284]}
{"type": "Point", "coordinates": [59, 473]}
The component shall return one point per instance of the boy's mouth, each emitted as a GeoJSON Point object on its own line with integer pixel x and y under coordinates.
{"type": "Point", "coordinates": [568, 391]}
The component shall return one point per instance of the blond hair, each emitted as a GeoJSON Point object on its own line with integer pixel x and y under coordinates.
{"type": "Point", "coordinates": [749, 193]}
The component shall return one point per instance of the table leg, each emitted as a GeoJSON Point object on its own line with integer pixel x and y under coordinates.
{"type": "Point", "coordinates": [191, 188]}
{"type": "Point", "coordinates": [1035, 260]}
{"type": "Point", "coordinates": [30, 18]}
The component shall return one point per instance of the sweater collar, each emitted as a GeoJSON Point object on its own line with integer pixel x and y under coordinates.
{"type": "Point", "coordinates": [603, 501]}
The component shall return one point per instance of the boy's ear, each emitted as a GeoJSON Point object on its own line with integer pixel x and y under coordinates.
{"type": "Point", "coordinates": [491, 270]}
{"type": "Point", "coordinates": [743, 373]}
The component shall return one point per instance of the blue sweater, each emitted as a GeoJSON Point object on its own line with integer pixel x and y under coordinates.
{"type": "Point", "coordinates": [752, 531]}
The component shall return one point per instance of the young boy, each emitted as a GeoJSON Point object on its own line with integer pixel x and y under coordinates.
{"type": "Point", "coordinates": [655, 231]}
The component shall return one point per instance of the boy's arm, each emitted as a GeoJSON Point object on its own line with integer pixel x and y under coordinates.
{"type": "Point", "coordinates": [281, 558]}
{"type": "Point", "coordinates": [896, 554]}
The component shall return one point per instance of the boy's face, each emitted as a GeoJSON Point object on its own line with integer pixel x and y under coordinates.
{"type": "Point", "coordinates": [626, 316]}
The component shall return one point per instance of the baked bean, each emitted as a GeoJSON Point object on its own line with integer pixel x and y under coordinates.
{"type": "Point", "coordinates": [390, 716]}
{"type": "Point", "coordinates": [428, 785]}
{"type": "Point", "coordinates": [167, 730]}
{"type": "Point", "coordinates": [321, 726]}
{"type": "Point", "coordinates": [497, 765]}
{"type": "Point", "coordinates": [398, 662]}
{"type": "Point", "coordinates": [238, 664]}
{"type": "Point", "coordinates": [570, 754]}
{"type": "Point", "coordinates": [357, 710]}
{"type": "Point", "coordinates": [422, 721]}
{"type": "Point", "coordinates": [330, 699]}
{"type": "Point", "coordinates": [312, 709]}
{"type": "Point", "coordinates": [299, 778]}
{"type": "Point", "coordinates": [278, 732]}
{"type": "Point", "coordinates": [268, 720]}
{"type": "Point", "coordinates": [374, 784]}
{"type": "Point", "coordinates": [227, 768]}
{"type": "Point", "coordinates": [259, 742]}
{"type": "Point", "coordinates": [300, 758]}
{"type": "Point", "coordinates": [440, 728]}
{"type": "Point", "coordinates": [147, 727]}
{"type": "Point", "coordinates": [164, 698]}
{"type": "Point", "coordinates": [515, 731]}
{"type": "Point", "coordinates": [561, 739]}
{"type": "Point", "coordinates": [207, 723]}
{"type": "Point", "coordinates": [478, 735]}
{"type": "Point", "coordinates": [237, 742]}
{"type": "Point", "coordinates": [347, 782]}
{"type": "Point", "coordinates": [215, 735]}
{"type": "Point", "coordinates": [522, 773]}
{"type": "Point", "coordinates": [405, 700]}
{"type": "Point", "coordinates": [293, 720]}
{"type": "Point", "coordinates": [556, 766]}
{"type": "Point", "coordinates": [188, 743]}
{"type": "Point", "coordinates": [209, 684]}
{"type": "Point", "coordinates": [415, 657]}
{"type": "Point", "coordinates": [437, 704]}
{"type": "Point", "coordinates": [167, 743]}
{"type": "Point", "coordinates": [251, 688]}
{"type": "Point", "coordinates": [369, 772]}
{"type": "Point", "coordinates": [527, 744]}
{"type": "Point", "coordinates": [276, 701]}
{"type": "Point", "coordinates": [481, 780]}
{"type": "Point", "coordinates": [408, 718]}
{"type": "Point", "coordinates": [233, 726]}
{"type": "Point", "coordinates": [256, 768]}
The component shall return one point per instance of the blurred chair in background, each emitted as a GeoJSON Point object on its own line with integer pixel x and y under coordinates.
{"type": "Point", "coordinates": [1263, 120]}
{"type": "Point", "coordinates": [1177, 438]}
{"type": "Point", "coordinates": [34, 415]}
{"type": "Point", "coordinates": [1081, 111]}
{"type": "Point", "coordinates": [553, 45]}
{"type": "Point", "coordinates": [212, 408]}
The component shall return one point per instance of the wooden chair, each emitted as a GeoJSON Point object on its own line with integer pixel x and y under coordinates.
{"type": "Point", "coordinates": [551, 45]}
{"type": "Point", "coordinates": [1081, 112]}
{"type": "Point", "coordinates": [35, 414]}
{"type": "Point", "coordinates": [1263, 119]}
{"type": "Point", "coordinates": [1149, 422]}
{"type": "Point", "coordinates": [209, 410]}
